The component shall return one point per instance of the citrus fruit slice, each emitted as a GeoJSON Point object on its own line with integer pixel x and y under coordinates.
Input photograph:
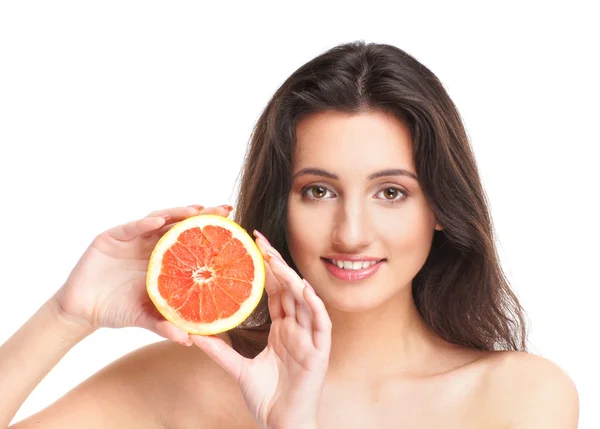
{"type": "Point", "coordinates": [206, 275]}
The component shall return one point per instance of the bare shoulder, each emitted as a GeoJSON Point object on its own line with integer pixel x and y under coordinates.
{"type": "Point", "coordinates": [122, 394]}
{"type": "Point", "coordinates": [193, 390]}
{"type": "Point", "coordinates": [187, 388]}
{"type": "Point", "coordinates": [530, 391]}
{"type": "Point", "coordinates": [163, 385]}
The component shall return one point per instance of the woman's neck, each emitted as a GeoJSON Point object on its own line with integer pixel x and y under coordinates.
{"type": "Point", "coordinates": [389, 340]}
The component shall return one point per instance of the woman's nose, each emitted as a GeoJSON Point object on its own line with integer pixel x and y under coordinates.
{"type": "Point", "coordinates": [352, 229]}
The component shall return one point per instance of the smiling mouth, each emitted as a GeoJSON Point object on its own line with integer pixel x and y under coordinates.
{"type": "Point", "coordinates": [352, 265]}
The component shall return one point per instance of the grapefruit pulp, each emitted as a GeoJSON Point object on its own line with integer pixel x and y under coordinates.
{"type": "Point", "coordinates": [206, 275]}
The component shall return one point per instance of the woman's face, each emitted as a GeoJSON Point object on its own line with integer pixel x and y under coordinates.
{"type": "Point", "coordinates": [353, 200]}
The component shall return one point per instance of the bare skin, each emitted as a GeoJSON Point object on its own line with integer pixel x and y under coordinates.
{"type": "Point", "coordinates": [478, 390]}
{"type": "Point", "coordinates": [369, 359]}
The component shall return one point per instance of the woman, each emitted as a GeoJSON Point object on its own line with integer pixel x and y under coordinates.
{"type": "Point", "coordinates": [387, 306]}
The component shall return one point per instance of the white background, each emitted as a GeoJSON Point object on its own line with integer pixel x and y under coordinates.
{"type": "Point", "coordinates": [109, 110]}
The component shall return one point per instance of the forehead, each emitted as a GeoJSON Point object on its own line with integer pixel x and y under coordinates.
{"type": "Point", "coordinates": [369, 141]}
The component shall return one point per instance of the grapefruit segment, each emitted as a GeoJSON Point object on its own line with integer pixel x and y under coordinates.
{"type": "Point", "coordinates": [194, 239]}
{"type": "Point", "coordinates": [232, 252]}
{"type": "Point", "coordinates": [241, 270]}
{"type": "Point", "coordinates": [174, 267]}
{"type": "Point", "coordinates": [206, 275]}
{"type": "Point", "coordinates": [208, 306]}
{"type": "Point", "coordinates": [237, 292]}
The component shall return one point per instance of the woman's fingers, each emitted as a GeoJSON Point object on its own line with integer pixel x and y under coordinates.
{"type": "Point", "coordinates": [286, 276]}
{"type": "Point", "coordinates": [288, 303]}
{"type": "Point", "coordinates": [224, 211]}
{"type": "Point", "coordinates": [133, 229]}
{"type": "Point", "coordinates": [178, 214]}
{"type": "Point", "coordinates": [299, 343]}
{"type": "Point", "coordinates": [155, 322]}
{"type": "Point", "coordinates": [221, 352]}
{"type": "Point", "coordinates": [281, 303]}
{"type": "Point", "coordinates": [320, 319]}
{"type": "Point", "coordinates": [306, 327]}
{"type": "Point", "coordinates": [303, 315]}
{"type": "Point", "coordinates": [290, 291]}
{"type": "Point", "coordinates": [274, 294]}
{"type": "Point", "coordinates": [163, 219]}
{"type": "Point", "coordinates": [293, 301]}
{"type": "Point", "coordinates": [130, 230]}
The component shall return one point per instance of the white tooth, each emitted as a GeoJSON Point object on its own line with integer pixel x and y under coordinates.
{"type": "Point", "coordinates": [350, 265]}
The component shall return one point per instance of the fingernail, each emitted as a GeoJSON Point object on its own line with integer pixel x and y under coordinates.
{"type": "Point", "coordinates": [308, 285]}
{"type": "Point", "coordinates": [166, 217]}
{"type": "Point", "coordinates": [258, 234]}
{"type": "Point", "coordinates": [226, 206]}
{"type": "Point", "coordinates": [189, 342]}
{"type": "Point", "coordinates": [197, 207]}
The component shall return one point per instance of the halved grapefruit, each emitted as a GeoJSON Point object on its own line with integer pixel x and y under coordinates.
{"type": "Point", "coordinates": [206, 275]}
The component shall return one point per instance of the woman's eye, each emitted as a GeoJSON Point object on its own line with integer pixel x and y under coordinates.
{"type": "Point", "coordinates": [392, 194]}
{"type": "Point", "coordinates": [315, 192]}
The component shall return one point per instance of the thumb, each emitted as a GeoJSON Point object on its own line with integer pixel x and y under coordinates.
{"type": "Point", "coordinates": [221, 352]}
{"type": "Point", "coordinates": [160, 326]}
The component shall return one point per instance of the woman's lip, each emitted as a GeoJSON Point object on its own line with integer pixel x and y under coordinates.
{"type": "Point", "coordinates": [352, 275]}
{"type": "Point", "coordinates": [353, 258]}
{"type": "Point", "coordinates": [326, 258]}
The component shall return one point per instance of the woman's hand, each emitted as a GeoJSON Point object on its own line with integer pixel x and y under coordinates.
{"type": "Point", "coordinates": [282, 385]}
{"type": "Point", "coordinates": [107, 287]}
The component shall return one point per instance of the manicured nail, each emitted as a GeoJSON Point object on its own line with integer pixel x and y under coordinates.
{"type": "Point", "coordinates": [226, 206]}
{"type": "Point", "coordinates": [308, 285]}
{"type": "Point", "coordinates": [259, 235]}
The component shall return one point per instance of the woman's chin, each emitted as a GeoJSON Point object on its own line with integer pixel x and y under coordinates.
{"type": "Point", "coordinates": [353, 302]}
{"type": "Point", "coordinates": [357, 298]}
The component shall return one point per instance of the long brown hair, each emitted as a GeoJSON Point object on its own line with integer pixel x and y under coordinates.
{"type": "Point", "coordinates": [461, 292]}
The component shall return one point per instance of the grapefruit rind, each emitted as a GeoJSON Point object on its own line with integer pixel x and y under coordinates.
{"type": "Point", "coordinates": [155, 264]}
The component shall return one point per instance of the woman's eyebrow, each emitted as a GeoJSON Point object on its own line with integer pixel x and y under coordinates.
{"type": "Point", "coordinates": [393, 172]}
{"type": "Point", "coordinates": [377, 174]}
